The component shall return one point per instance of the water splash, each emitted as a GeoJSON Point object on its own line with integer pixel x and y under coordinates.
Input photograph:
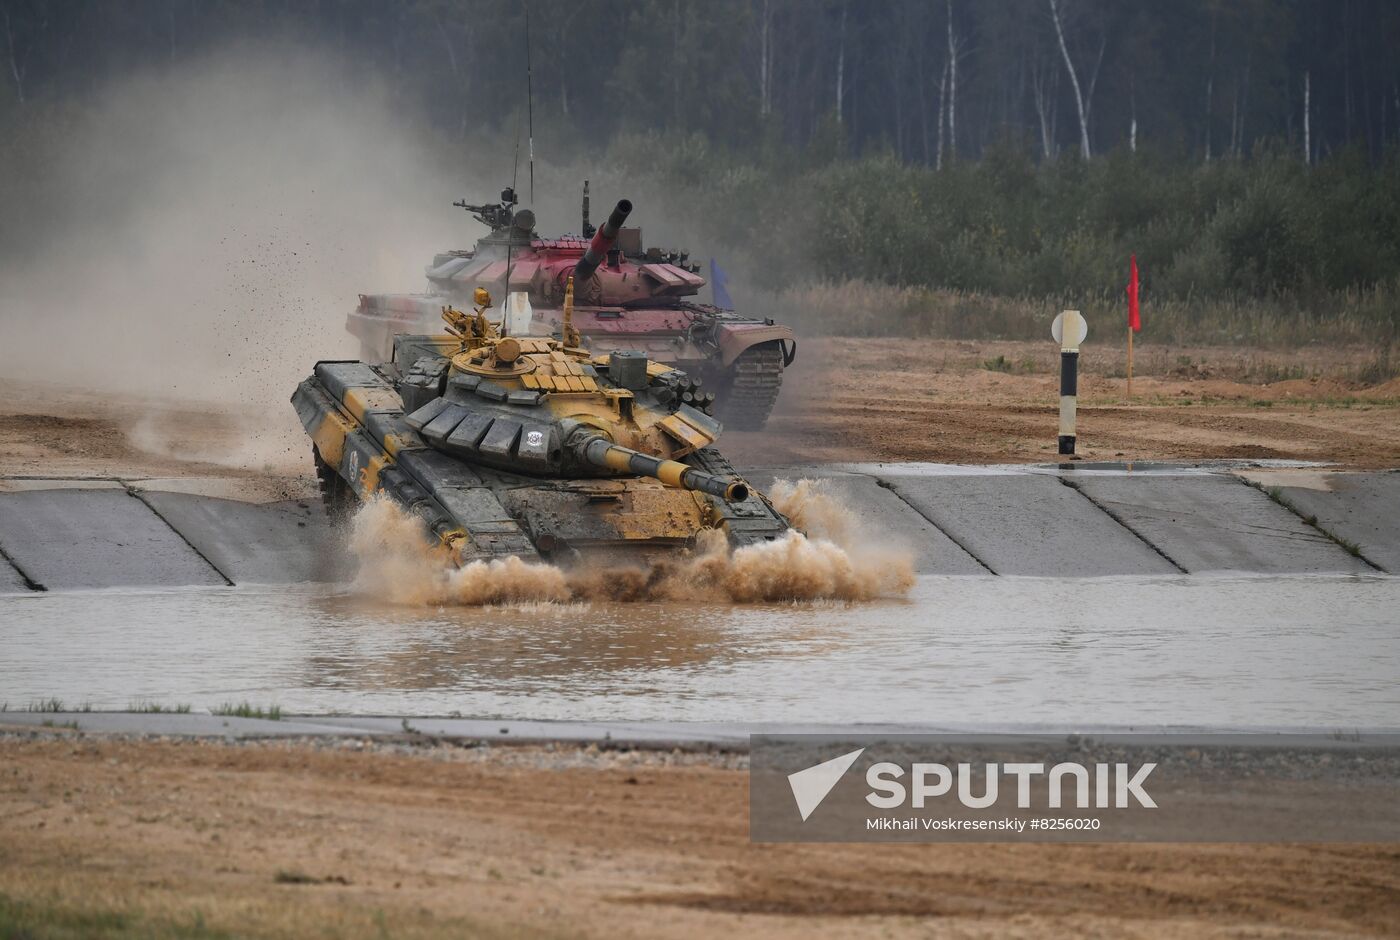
{"type": "Point", "coordinates": [834, 560]}
{"type": "Point", "coordinates": [397, 564]}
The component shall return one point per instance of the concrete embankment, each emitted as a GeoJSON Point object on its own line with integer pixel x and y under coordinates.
{"type": "Point", "coordinates": [1056, 521]}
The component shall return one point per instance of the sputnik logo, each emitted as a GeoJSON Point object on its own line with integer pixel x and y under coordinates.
{"type": "Point", "coordinates": [810, 786]}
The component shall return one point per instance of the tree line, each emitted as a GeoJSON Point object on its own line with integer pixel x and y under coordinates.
{"type": "Point", "coordinates": [1014, 150]}
{"type": "Point", "coordinates": [931, 81]}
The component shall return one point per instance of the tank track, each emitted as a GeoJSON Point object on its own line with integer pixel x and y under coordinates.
{"type": "Point", "coordinates": [755, 379]}
{"type": "Point", "coordinates": [338, 500]}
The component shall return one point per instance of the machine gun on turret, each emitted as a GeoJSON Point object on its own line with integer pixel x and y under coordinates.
{"type": "Point", "coordinates": [495, 216]}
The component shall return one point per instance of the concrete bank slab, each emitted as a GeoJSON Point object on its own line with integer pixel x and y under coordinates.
{"type": "Point", "coordinates": [186, 725]}
{"type": "Point", "coordinates": [96, 538]}
{"type": "Point", "coordinates": [250, 543]}
{"type": "Point", "coordinates": [1109, 520]}
{"type": "Point", "coordinates": [1028, 524]}
{"type": "Point", "coordinates": [506, 731]}
{"type": "Point", "coordinates": [1362, 508]}
{"type": "Point", "coordinates": [11, 581]}
{"type": "Point", "coordinates": [732, 736]}
{"type": "Point", "coordinates": [28, 484]}
{"type": "Point", "coordinates": [1114, 467]}
{"type": "Point", "coordinates": [882, 513]}
{"type": "Point", "coordinates": [242, 489]}
{"type": "Point", "coordinates": [1218, 523]}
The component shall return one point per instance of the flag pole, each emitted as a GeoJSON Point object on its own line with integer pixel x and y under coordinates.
{"type": "Point", "coordinates": [1134, 318]}
{"type": "Point", "coordinates": [1130, 362]}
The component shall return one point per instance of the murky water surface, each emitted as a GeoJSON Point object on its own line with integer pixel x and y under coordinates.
{"type": "Point", "coordinates": [1320, 652]}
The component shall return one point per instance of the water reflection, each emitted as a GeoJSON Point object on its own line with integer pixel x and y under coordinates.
{"type": "Point", "coordinates": [363, 645]}
{"type": "Point", "coordinates": [1318, 652]}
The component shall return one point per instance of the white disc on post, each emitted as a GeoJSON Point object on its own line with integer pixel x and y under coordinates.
{"type": "Point", "coordinates": [1069, 329]}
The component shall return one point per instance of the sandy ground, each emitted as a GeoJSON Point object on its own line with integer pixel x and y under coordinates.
{"type": "Point", "coordinates": [318, 839]}
{"type": "Point", "coordinates": [874, 399]}
{"type": "Point", "coordinates": [844, 400]}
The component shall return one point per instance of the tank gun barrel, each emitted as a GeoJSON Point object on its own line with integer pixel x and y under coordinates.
{"type": "Point", "coordinates": [603, 453]}
{"type": "Point", "coordinates": [602, 242]}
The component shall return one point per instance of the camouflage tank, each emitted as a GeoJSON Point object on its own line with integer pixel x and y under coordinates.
{"type": "Point", "coordinates": [636, 300]}
{"type": "Point", "coordinates": [529, 446]}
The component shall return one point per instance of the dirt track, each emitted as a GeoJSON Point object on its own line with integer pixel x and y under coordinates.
{"type": "Point", "coordinates": [844, 400]}
{"type": "Point", "coordinates": [874, 399]}
{"type": "Point", "coordinates": [292, 839]}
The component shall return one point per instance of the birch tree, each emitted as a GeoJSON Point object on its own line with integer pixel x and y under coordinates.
{"type": "Point", "coordinates": [17, 68]}
{"type": "Point", "coordinates": [841, 66]}
{"type": "Point", "coordinates": [942, 120]}
{"type": "Point", "coordinates": [1307, 117]}
{"type": "Point", "coordinates": [765, 60]}
{"type": "Point", "coordinates": [953, 46]}
{"type": "Point", "coordinates": [1045, 88]}
{"type": "Point", "coordinates": [1083, 94]}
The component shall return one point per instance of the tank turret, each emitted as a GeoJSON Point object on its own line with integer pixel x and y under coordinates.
{"type": "Point", "coordinates": [630, 298]}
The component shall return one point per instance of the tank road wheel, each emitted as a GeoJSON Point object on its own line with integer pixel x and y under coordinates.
{"type": "Point", "coordinates": [754, 379]}
{"type": "Point", "coordinates": [337, 497]}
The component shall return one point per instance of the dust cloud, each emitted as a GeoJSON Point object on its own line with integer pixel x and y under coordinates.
{"type": "Point", "coordinates": [194, 237]}
{"type": "Point", "coordinates": [203, 230]}
{"type": "Point", "coordinates": [833, 560]}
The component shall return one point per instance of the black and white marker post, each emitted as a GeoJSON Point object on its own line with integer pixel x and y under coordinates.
{"type": "Point", "coordinates": [1069, 330]}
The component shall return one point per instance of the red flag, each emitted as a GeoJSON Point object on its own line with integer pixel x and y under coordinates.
{"type": "Point", "coordinates": [1134, 316]}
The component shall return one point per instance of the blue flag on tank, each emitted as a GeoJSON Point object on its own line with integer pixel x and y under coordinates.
{"type": "Point", "coordinates": [719, 285]}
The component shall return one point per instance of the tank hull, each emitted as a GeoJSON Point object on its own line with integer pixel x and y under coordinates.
{"type": "Point", "coordinates": [365, 445]}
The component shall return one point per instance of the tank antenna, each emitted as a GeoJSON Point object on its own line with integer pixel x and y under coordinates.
{"type": "Point", "coordinates": [530, 99]}
{"type": "Point", "coordinates": [515, 170]}
{"type": "Point", "coordinates": [586, 226]}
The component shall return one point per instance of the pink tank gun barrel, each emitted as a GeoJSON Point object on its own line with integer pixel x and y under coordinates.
{"type": "Point", "coordinates": [603, 241]}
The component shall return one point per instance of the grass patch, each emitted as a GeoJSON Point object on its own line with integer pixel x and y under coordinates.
{"type": "Point", "coordinates": [50, 723]}
{"type": "Point", "coordinates": [1026, 365]}
{"type": "Point", "coordinates": [156, 708]}
{"type": "Point", "coordinates": [47, 705]}
{"type": "Point", "coordinates": [1382, 369]}
{"type": "Point", "coordinates": [1267, 373]}
{"type": "Point", "coordinates": [249, 710]}
{"type": "Point", "coordinates": [865, 308]}
{"type": "Point", "coordinates": [1347, 545]}
{"type": "Point", "coordinates": [293, 876]}
{"type": "Point", "coordinates": [53, 921]}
